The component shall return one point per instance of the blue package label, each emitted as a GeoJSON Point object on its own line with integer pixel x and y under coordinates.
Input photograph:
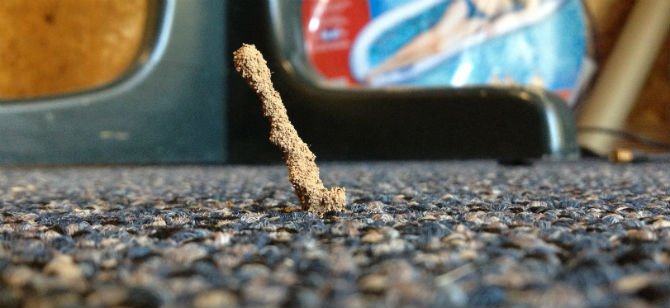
{"type": "Point", "coordinates": [453, 43]}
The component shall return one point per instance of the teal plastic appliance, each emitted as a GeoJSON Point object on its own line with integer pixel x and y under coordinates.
{"type": "Point", "coordinates": [183, 103]}
{"type": "Point", "coordinates": [168, 108]}
{"type": "Point", "coordinates": [385, 123]}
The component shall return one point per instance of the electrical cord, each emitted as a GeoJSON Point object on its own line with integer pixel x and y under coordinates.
{"type": "Point", "coordinates": [625, 135]}
{"type": "Point", "coordinates": [625, 155]}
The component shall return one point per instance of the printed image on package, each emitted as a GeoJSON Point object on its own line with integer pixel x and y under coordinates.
{"type": "Point", "coordinates": [454, 43]}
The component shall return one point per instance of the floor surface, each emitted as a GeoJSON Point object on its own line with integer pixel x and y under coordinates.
{"type": "Point", "coordinates": [443, 234]}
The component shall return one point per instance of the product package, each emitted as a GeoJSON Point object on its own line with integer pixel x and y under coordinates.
{"type": "Point", "coordinates": [449, 43]}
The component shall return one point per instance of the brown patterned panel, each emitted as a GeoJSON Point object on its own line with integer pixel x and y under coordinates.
{"type": "Point", "coordinates": [651, 115]}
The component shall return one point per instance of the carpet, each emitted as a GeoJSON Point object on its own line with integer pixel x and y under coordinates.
{"type": "Point", "coordinates": [427, 234]}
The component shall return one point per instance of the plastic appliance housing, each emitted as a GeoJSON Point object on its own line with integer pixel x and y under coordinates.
{"type": "Point", "coordinates": [386, 123]}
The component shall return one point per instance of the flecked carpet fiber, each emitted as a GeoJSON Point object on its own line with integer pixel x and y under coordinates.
{"type": "Point", "coordinates": [440, 234]}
